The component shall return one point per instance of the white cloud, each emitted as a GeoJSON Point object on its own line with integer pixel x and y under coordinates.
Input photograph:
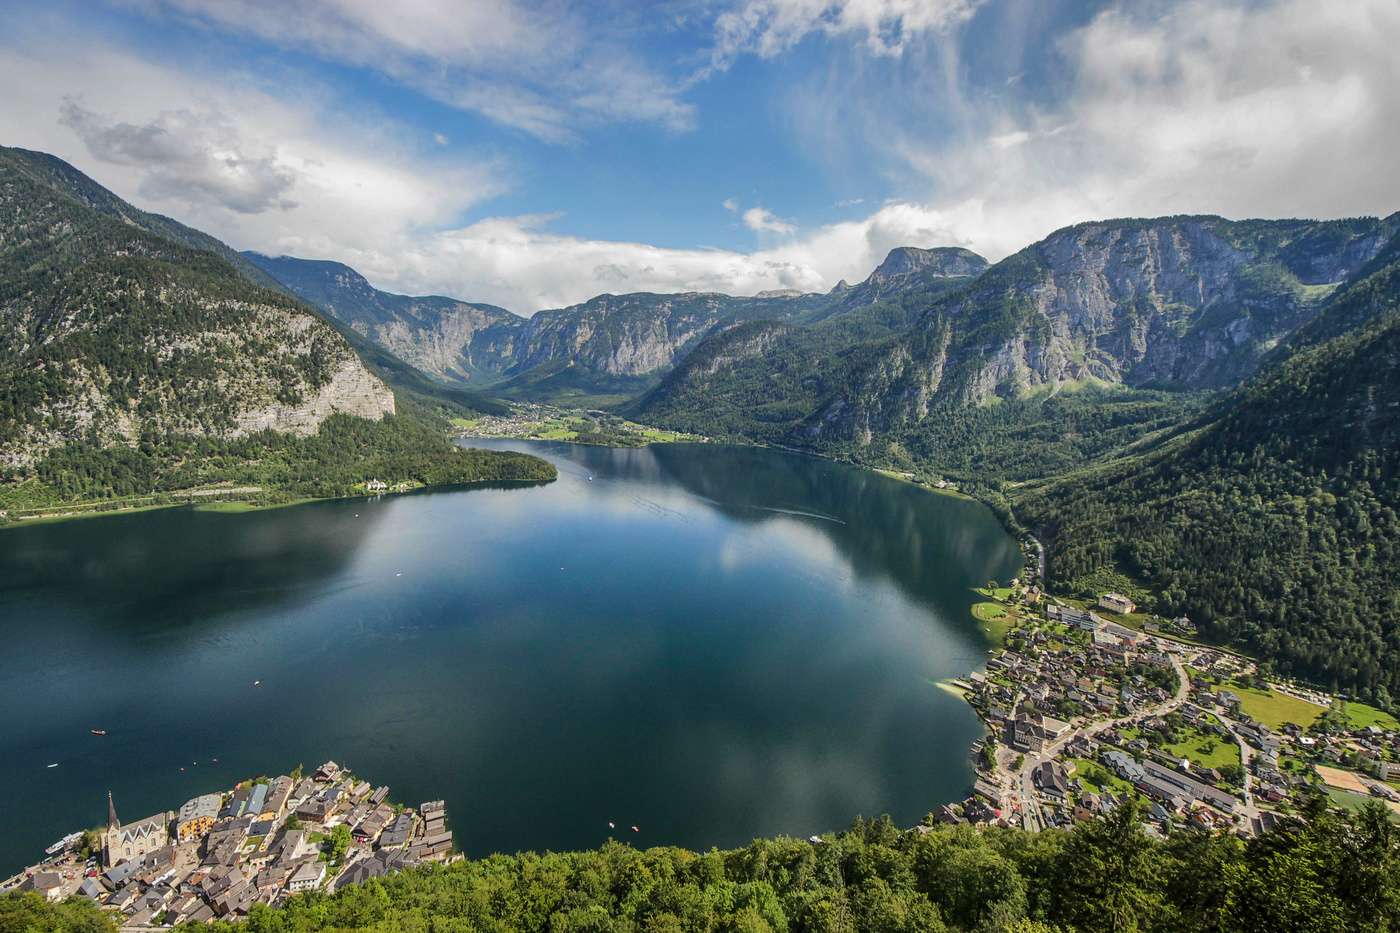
{"type": "Point", "coordinates": [540, 67]}
{"type": "Point", "coordinates": [762, 220]}
{"type": "Point", "coordinates": [517, 262]}
{"type": "Point", "coordinates": [195, 157]}
{"type": "Point", "coordinates": [770, 27]}
{"type": "Point", "coordinates": [225, 156]}
{"type": "Point", "coordinates": [1214, 106]}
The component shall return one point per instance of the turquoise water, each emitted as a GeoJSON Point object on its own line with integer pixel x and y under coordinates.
{"type": "Point", "coordinates": [710, 643]}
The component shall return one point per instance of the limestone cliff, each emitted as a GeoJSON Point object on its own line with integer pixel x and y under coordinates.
{"type": "Point", "coordinates": [110, 332]}
{"type": "Point", "coordinates": [1191, 301]}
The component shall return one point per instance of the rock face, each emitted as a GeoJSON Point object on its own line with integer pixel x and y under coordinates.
{"type": "Point", "coordinates": [110, 331]}
{"type": "Point", "coordinates": [352, 390]}
{"type": "Point", "coordinates": [641, 335]}
{"type": "Point", "coordinates": [1193, 301]}
{"type": "Point", "coordinates": [453, 340]}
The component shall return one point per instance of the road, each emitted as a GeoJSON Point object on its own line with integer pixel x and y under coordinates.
{"type": "Point", "coordinates": [1249, 811]}
{"type": "Point", "coordinates": [1021, 783]}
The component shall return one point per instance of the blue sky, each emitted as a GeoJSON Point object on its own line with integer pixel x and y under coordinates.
{"type": "Point", "coordinates": [533, 154]}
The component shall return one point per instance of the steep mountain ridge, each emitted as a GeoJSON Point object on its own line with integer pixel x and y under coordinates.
{"type": "Point", "coordinates": [611, 346]}
{"type": "Point", "coordinates": [454, 340]}
{"type": "Point", "coordinates": [1275, 522]}
{"type": "Point", "coordinates": [1193, 303]}
{"type": "Point", "coordinates": [110, 332]}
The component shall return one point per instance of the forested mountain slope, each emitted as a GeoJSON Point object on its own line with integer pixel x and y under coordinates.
{"type": "Point", "coordinates": [134, 364]}
{"type": "Point", "coordinates": [110, 331]}
{"type": "Point", "coordinates": [1182, 302]}
{"type": "Point", "coordinates": [1276, 523]}
{"type": "Point", "coordinates": [65, 179]}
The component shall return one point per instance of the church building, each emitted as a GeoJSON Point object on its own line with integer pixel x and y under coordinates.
{"type": "Point", "coordinates": [134, 840]}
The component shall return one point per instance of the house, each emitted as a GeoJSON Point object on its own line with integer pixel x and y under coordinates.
{"type": "Point", "coordinates": [375, 485]}
{"type": "Point", "coordinates": [975, 811]}
{"type": "Point", "coordinates": [47, 883]}
{"type": "Point", "coordinates": [1050, 779]}
{"type": "Point", "coordinates": [257, 798]}
{"type": "Point", "coordinates": [308, 877]}
{"type": "Point", "coordinates": [157, 865]}
{"type": "Point", "coordinates": [1123, 764]}
{"type": "Point", "coordinates": [279, 792]}
{"type": "Point", "coordinates": [397, 833]}
{"type": "Point", "coordinates": [1116, 602]}
{"type": "Point", "coordinates": [197, 816]}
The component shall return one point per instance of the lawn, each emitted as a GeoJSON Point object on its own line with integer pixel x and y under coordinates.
{"type": "Point", "coordinates": [1362, 716]}
{"type": "Point", "coordinates": [1355, 802]}
{"type": "Point", "coordinates": [1096, 776]}
{"type": "Point", "coordinates": [1225, 752]}
{"type": "Point", "coordinates": [465, 422]}
{"type": "Point", "coordinates": [996, 620]}
{"type": "Point", "coordinates": [1275, 709]}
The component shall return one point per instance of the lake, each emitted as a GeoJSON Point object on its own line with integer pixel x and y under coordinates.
{"type": "Point", "coordinates": [710, 643]}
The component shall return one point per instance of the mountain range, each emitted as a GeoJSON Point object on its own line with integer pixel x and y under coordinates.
{"type": "Point", "coordinates": [599, 352]}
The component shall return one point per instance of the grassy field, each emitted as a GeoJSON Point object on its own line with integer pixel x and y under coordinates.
{"type": "Point", "coordinates": [1275, 709]}
{"type": "Point", "coordinates": [1355, 802]}
{"type": "Point", "coordinates": [1360, 715]}
{"type": "Point", "coordinates": [1225, 752]}
{"type": "Point", "coordinates": [995, 619]}
{"type": "Point", "coordinates": [1097, 777]}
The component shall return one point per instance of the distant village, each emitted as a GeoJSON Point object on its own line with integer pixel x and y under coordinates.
{"type": "Point", "coordinates": [222, 853]}
{"type": "Point", "coordinates": [1085, 713]}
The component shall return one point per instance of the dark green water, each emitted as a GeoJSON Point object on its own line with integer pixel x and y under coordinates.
{"type": "Point", "coordinates": [710, 643]}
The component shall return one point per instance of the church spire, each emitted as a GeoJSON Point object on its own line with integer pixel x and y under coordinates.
{"type": "Point", "coordinates": [112, 821]}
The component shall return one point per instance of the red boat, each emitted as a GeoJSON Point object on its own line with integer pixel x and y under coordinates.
{"type": "Point", "coordinates": [99, 731]}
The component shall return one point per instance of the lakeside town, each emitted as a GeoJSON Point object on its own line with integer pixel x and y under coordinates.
{"type": "Point", "coordinates": [534, 421]}
{"type": "Point", "coordinates": [1088, 707]}
{"type": "Point", "coordinates": [223, 853]}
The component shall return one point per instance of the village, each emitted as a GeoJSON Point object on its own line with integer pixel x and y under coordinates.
{"type": "Point", "coordinates": [546, 422]}
{"type": "Point", "coordinates": [1085, 713]}
{"type": "Point", "coordinates": [221, 854]}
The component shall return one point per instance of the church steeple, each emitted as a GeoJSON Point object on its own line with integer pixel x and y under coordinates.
{"type": "Point", "coordinates": [112, 821]}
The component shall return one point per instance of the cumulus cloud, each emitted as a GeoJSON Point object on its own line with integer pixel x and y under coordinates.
{"type": "Point", "coordinates": [1222, 106]}
{"type": "Point", "coordinates": [542, 67]}
{"type": "Point", "coordinates": [762, 220]}
{"type": "Point", "coordinates": [193, 157]}
{"type": "Point", "coordinates": [519, 263]}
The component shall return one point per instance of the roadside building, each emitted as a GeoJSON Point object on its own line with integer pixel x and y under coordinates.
{"type": "Point", "coordinates": [1116, 602]}
{"type": "Point", "coordinates": [197, 816]}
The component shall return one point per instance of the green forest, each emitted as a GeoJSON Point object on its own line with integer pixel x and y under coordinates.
{"type": "Point", "coordinates": [338, 460]}
{"type": "Point", "coordinates": [1325, 874]}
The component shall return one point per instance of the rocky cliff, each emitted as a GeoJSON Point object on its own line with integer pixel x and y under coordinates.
{"type": "Point", "coordinates": [111, 332]}
{"type": "Point", "coordinates": [1190, 301]}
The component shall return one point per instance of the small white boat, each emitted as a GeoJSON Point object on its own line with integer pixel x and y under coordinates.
{"type": "Point", "coordinates": [54, 765]}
